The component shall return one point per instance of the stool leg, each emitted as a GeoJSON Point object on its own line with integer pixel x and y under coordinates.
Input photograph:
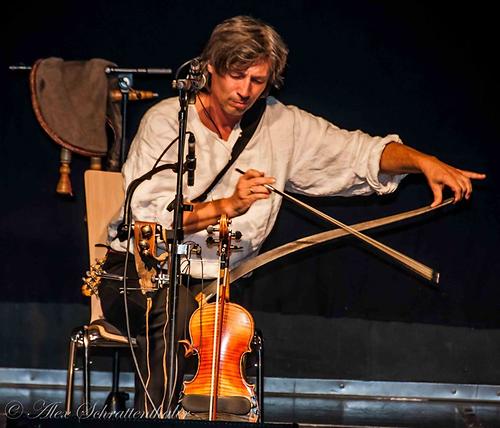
{"type": "Point", "coordinates": [86, 371]}
{"type": "Point", "coordinates": [116, 370]}
{"type": "Point", "coordinates": [116, 400]}
{"type": "Point", "coordinates": [258, 342]}
{"type": "Point", "coordinates": [70, 377]}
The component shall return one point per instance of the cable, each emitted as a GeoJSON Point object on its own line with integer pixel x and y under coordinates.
{"type": "Point", "coordinates": [210, 117]}
{"type": "Point", "coordinates": [127, 323]}
{"type": "Point", "coordinates": [164, 358]}
{"type": "Point", "coordinates": [158, 159]}
{"type": "Point", "coordinates": [149, 304]}
{"type": "Point", "coordinates": [127, 222]}
{"type": "Point", "coordinates": [188, 62]}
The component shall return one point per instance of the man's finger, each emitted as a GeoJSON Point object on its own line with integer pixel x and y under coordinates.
{"type": "Point", "coordinates": [438, 195]}
{"type": "Point", "coordinates": [457, 191]}
{"type": "Point", "coordinates": [473, 175]}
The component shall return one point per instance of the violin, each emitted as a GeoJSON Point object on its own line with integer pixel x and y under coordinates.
{"type": "Point", "coordinates": [221, 333]}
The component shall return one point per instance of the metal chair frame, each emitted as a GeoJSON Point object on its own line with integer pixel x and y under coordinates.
{"type": "Point", "coordinates": [104, 195]}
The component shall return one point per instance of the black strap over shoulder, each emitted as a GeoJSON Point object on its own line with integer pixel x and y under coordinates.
{"type": "Point", "coordinates": [248, 124]}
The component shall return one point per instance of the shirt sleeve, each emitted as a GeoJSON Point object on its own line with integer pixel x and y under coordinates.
{"type": "Point", "coordinates": [151, 198]}
{"type": "Point", "coordinates": [327, 160]}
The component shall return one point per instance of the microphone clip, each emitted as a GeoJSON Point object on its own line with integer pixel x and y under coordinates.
{"type": "Point", "coordinates": [194, 82]}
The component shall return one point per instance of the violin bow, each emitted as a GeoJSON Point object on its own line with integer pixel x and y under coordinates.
{"type": "Point", "coordinates": [262, 259]}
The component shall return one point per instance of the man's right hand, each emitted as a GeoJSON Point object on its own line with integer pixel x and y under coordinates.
{"type": "Point", "coordinates": [249, 189]}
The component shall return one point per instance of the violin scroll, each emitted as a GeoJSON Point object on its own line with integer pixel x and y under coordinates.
{"type": "Point", "coordinates": [225, 234]}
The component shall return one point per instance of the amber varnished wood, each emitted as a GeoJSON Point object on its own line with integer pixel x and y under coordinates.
{"type": "Point", "coordinates": [221, 333]}
{"type": "Point", "coordinates": [236, 336]}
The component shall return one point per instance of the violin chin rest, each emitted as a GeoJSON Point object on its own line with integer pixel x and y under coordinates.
{"type": "Point", "coordinates": [201, 404]}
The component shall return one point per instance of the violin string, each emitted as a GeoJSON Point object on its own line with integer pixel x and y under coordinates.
{"type": "Point", "coordinates": [214, 343]}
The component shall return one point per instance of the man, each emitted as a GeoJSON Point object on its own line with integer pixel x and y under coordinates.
{"type": "Point", "coordinates": [290, 149]}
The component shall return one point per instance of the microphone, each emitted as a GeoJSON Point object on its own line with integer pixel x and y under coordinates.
{"type": "Point", "coordinates": [196, 76]}
{"type": "Point", "coordinates": [133, 95]}
{"type": "Point", "coordinates": [191, 159]}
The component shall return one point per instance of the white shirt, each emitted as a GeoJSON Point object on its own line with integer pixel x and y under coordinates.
{"type": "Point", "coordinates": [305, 153]}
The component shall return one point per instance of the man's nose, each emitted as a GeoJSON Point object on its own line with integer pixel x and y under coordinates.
{"type": "Point", "coordinates": [244, 89]}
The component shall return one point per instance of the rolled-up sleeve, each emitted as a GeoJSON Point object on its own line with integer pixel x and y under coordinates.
{"type": "Point", "coordinates": [327, 160]}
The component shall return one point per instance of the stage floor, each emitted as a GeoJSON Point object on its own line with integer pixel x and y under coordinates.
{"type": "Point", "coordinates": [26, 396]}
{"type": "Point", "coordinates": [313, 412]}
{"type": "Point", "coordinates": [381, 413]}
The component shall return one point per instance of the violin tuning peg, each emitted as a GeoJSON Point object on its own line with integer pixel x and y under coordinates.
{"type": "Point", "coordinates": [144, 248]}
{"type": "Point", "coordinates": [146, 231]}
{"type": "Point", "coordinates": [236, 235]}
{"type": "Point", "coordinates": [211, 241]}
{"type": "Point", "coordinates": [144, 244]}
{"type": "Point", "coordinates": [211, 229]}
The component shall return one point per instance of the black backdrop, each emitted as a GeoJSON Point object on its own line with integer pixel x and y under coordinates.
{"type": "Point", "coordinates": [421, 70]}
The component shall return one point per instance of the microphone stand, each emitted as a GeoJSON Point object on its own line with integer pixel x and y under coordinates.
{"type": "Point", "coordinates": [187, 95]}
{"type": "Point", "coordinates": [125, 82]}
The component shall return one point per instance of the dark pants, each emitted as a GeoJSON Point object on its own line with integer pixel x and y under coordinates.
{"type": "Point", "coordinates": [152, 336]}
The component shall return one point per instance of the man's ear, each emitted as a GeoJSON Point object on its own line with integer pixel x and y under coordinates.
{"type": "Point", "coordinates": [210, 68]}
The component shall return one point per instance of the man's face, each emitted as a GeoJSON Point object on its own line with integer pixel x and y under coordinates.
{"type": "Point", "coordinates": [237, 91]}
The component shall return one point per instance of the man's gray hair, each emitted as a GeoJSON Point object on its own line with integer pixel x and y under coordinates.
{"type": "Point", "coordinates": [242, 41]}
